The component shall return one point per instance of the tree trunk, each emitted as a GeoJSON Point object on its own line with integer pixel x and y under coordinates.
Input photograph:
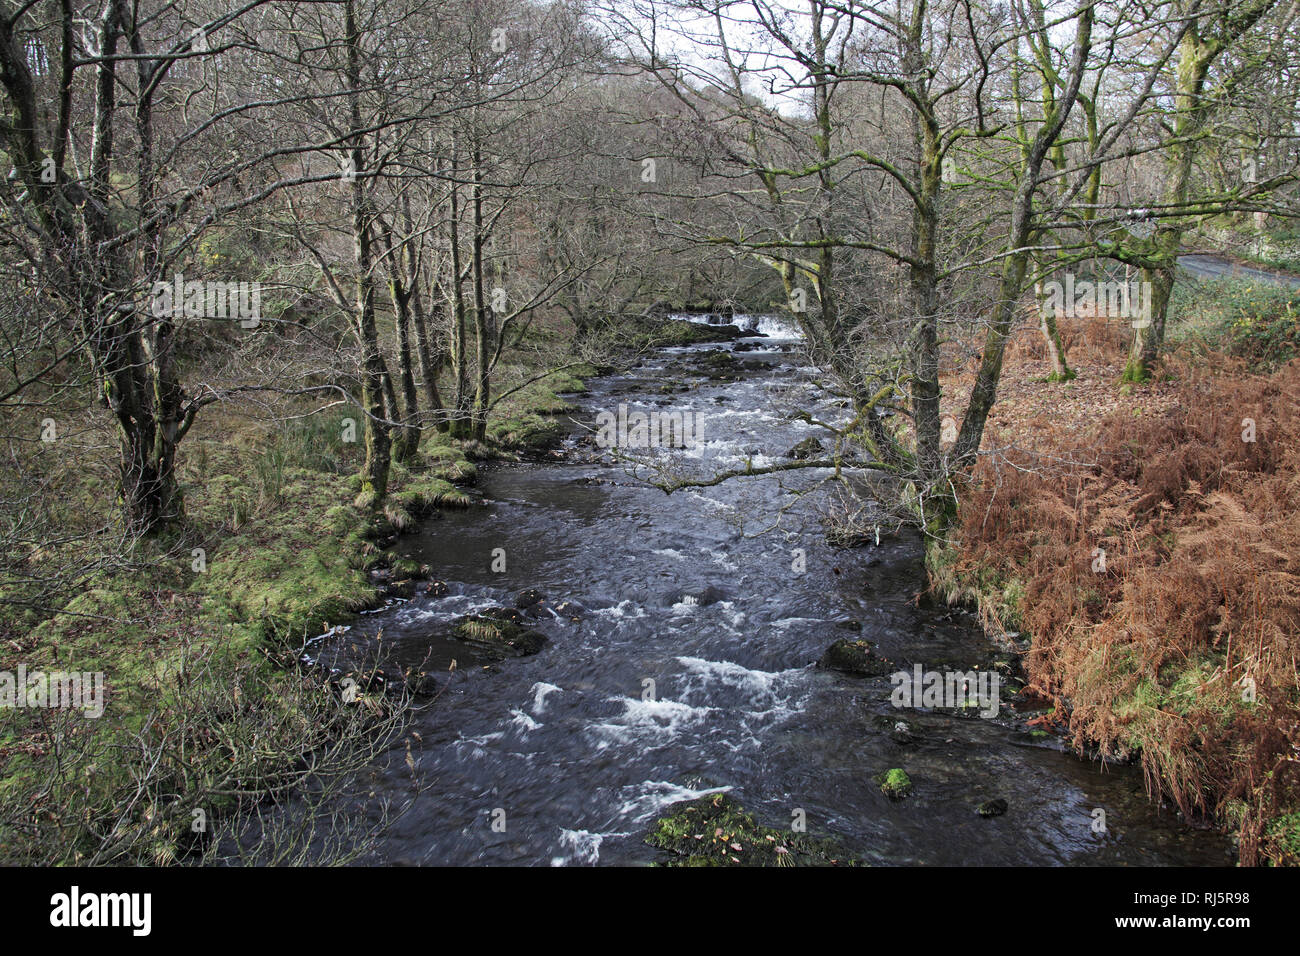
{"type": "Point", "coordinates": [378, 450]}
{"type": "Point", "coordinates": [1016, 263]}
{"type": "Point", "coordinates": [1061, 371]}
{"type": "Point", "coordinates": [136, 376]}
{"type": "Point", "coordinates": [430, 361]}
{"type": "Point", "coordinates": [408, 440]}
{"type": "Point", "coordinates": [1149, 332]}
{"type": "Point", "coordinates": [483, 317]}
{"type": "Point", "coordinates": [925, 391]}
{"type": "Point", "coordinates": [459, 425]}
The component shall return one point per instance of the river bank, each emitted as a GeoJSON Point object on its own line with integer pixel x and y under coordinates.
{"type": "Point", "coordinates": [212, 615]}
{"type": "Point", "coordinates": [1139, 545]}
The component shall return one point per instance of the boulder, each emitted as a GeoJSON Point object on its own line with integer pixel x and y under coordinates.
{"type": "Point", "coordinates": [807, 449]}
{"type": "Point", "coordinates": [894, 783]}
{"type": "Point", "coordinates": [498, 638]}
{"type": "Point", "coordinates": [857, 658]}
{"type": "Point", "coordinates": [529, 600]}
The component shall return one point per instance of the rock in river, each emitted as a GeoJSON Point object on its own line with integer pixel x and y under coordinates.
{"type": "Point", "coordinates": [856, 658]}
{"type": "Point", "coordinates": [807, 449]}
{"type": "Point", "coordinates": [497, 635]}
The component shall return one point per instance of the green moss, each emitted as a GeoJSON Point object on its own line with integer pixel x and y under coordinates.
{"type": "Point", "coordinates": [427, 493]}
{"type": "Point", "coordinates": [282, 552]}
{"type": "Point", "coordinates": [570, 380]}
{"type": "Point", "coordinates": [1013, 597]}
{"type": "Point", "coordinates": [244, 568]}
{"type": "Point", "coordinates": [127, 629]}
{"type": "Point", "coordinates": [894, 783]}
{"type": "Point", "coordinates": [714, 830]}
{"type": "Point", "coordinates": [1133, 374]}
{"type": "Point", "coordinates": [1068, 375]}
{"type": "Point", "coordinates": [499, 636]}
{"type": "Point", "coordinates": [1282, 840]}
{"type": "Point", "coordinates": [992, 591]}
{"type": "Point", "coordinates": [526, 431]}
{"type": "Point", "coordinates": [641, 334]}
{"type": "Point", "coordinates": [1189, 686]}
{"type": "Point", "coordinates": [291, 573]}
{"type": "Point", "coordinates": [449, 463]}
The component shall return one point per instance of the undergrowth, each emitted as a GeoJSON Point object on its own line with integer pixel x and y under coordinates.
{"type": "Point", "coordinates": [1157, 577]}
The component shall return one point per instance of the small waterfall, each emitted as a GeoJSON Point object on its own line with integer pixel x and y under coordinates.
{"type": "Point", "coordinates": [775, 326]}
{"type": "Point", "coordinates": [772, 326]}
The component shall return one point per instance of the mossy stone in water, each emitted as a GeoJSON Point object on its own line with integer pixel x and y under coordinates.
{"type": "Point", "coordinates": [895, 783]}
{"type": "Point", "coordinates": [714, 830]}
{"type": "Point", "coordinates": [856, 658]}
{"type": "Point", "coordinates": [498, 637]}
{"type": "Point", "coordinates": [810, 447]}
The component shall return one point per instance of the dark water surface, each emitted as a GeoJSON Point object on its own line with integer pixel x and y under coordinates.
{"type": "Point", "coordinates": [684, 591]}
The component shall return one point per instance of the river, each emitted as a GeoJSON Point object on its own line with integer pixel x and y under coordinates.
{"type": "Point", "coordinates": [568, 756]}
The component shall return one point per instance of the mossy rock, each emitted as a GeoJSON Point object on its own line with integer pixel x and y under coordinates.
{"type": "Point", "coordinates": [857, 658]}
{"type": "Point", "coordinates": [420, 497]}
{"type": "Point", "coordinates": [531, 600]}
{"type": "Point", "coordinates": [895, 784]}
{"type": "Point", "coordinates": [809, 448]}
{"type": "Point", "coordinates": [510, 615]}
{"type": "Point", "coordinates": [528, 432]}
{"type": "Point", "coordinates": [899, 731]}
{"type": "Point", "coordinates": [719, 366]}
{"type": "Point", "coordinates": [448, 461]}
{"type": "Point", "coordinates": [498, 636]}
{"type": "Point", "coordinates": [661, 333]}
{"type": "Point", "coordinates": [714, 830]}
{"type": "Point", "coordinates": [718, 359]}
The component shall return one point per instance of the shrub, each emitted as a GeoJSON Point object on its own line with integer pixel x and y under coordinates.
{"type": "Point", "coordinates": [1181, 647]}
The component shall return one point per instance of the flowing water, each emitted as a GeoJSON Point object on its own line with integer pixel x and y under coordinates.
{"type": "Point", "coordinates": [573, 753]}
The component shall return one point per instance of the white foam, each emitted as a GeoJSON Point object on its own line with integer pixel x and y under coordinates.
{"type": "Point", "coordinates": [724, 562]}
{"type": "Point", "coordinates": [656, 794]}
{"type": "Point", "coordinates": [479, 744]}
{"type": "Point", "coordinates": [583, 847]}
{"type": "Point", "coordinates": [773, 326]}
{"type": "Point", "coordinates": [786, 622]}
{"type": "Point", "coordinates": [539, 692]}
{"type": "Point", "coordinates": [669, 553]}
{"type": "Point", "coordinates": [621, 610]}
{"type": "Point", "coordinates": [755, 413]}
{"type": "Point", "coordinates": [523, 721]}
{"type": "Point", "coordinates": [446, 608]}
{"type": "Point", "coordinates": [656, 720]}
{"type": "Point", "coordinates": [756, 683]}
